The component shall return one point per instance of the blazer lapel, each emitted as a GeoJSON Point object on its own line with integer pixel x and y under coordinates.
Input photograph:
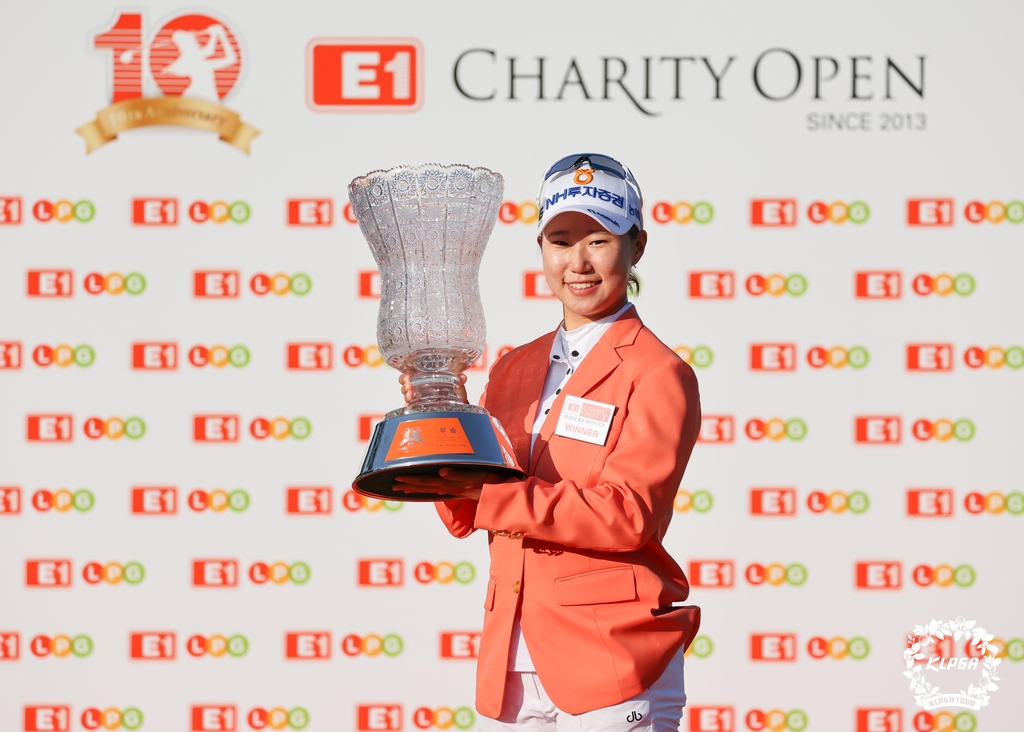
{"type": "Point", "coordinates": [524, 399]}
{"type": "Point", "coordinates": [601, 361]}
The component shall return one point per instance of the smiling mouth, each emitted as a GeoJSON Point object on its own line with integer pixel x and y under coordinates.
{"type": "Point", "coordinates": [580, 286]}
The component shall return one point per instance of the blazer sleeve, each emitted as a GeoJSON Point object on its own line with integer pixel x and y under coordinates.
{"type": "Point", "coordinates": [637, 485]}
{"type": "Point", "coordinates": [459, 515]}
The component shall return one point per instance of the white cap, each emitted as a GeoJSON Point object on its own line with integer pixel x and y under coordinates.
{"type": "Point", "coordinates": [596, 185]}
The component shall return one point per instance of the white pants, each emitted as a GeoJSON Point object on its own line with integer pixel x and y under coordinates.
{"type": "Point", "coordinates": [527, 708]}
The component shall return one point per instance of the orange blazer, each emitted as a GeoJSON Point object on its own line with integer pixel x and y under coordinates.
{"type": "Point", "coordinates": [590, 572]}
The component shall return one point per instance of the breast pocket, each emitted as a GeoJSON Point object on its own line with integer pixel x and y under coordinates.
{"type": "Point", "coordinates": [615, 584]}
{"type": "Point", "coordinates": [492, 586]}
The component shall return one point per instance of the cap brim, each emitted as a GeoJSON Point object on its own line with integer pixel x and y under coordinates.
{"type": "Point", "coordinates": [615, 225]}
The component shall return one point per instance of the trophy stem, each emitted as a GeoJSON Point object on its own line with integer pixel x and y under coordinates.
{"type": "Point", "coordinates": [434, 390]}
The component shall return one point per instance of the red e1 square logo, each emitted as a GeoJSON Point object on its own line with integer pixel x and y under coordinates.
{"type": "Point", "coordinates": [930, 502]}
{"type": "Point", "coordinates": [155, 356]}
{"type": "Point", "coordinates": [214, 718]}
{"type": "Point", "coordinates": [773, 501]}
{"type": "Point", "coordinates": [48, 573]}
{"type": "Point", "coordinates": [712, 573]}
{"type": "Point", "coordinates": [155, 211]}
{"type": "Point", "coordinates": [215, 283]}
{"type": "Point", "coordinates": [460, 645]}
{"type": "Point", "coordinates": [10, 210]}
{"type": "Point", "coordinates": [364, 74]}
{"type": "Point", "coordinates": [151, 646]}
{"type": "Point", "coordinates": [10, 645]}
{"type": "Point", "coordinates": [712, 285]}
{"type": "Point", "coordinates": [712, 719]}
{"type": "Point", "coordinates": [47, 718]}
{"type": "Point", "coordinates": [535, 286]}
{"type": "Point", "coordinates": [716, 428]}
{"type": "Point", "coordinates": [929, 357]}
{"type": "Point", "coordinates": [155, 501]}
{"type": "Point", "coordinates": [773, 212]}
{"type": "Point", "coordinates": [882, 430]}
{"type": "Point", "coordinates": [307, 646]}
{"type": "Point", "coordinates": [773, 647]}
{"type": "Point", "coordinates": [772, 357]}
{"type": "Point", "coordinates": [310, 212]}
{"type": "Point", "coordinates": [309, 356]}
{"type": "Point", "coordinates": [889, 719]}
{"type": "Point", "coordinates": [10, 500]}
{"type": "Point", "coordinates": [877, 285]}
{"type": "Point", "coordinates": [878, 575]}
{"type": "Point", "coordinates": [215, 428]}
{"type": "Point", "coordinates": [379, 717]}
{"type": "Point", "coordinates": [49, 428]}
{"type": "Point", "coordinates": [215, 573]}
{"type": "Point", "coordinates": [369, 284]}
{"type": "Point", "coordinates": [49, 283]}
{"type": "Point", "coordinates": [380, 572]}
{"type": "Point", "coordinates": [308, 501]}
{"type": "Point", "coordinates": [930, 212]}
{"type": "Point", "coordinates": [10, 355]}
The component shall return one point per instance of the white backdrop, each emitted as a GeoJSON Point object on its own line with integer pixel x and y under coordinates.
{"type": "Point", "coordinates": [957, 138]}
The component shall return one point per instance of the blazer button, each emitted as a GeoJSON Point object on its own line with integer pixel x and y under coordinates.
{"type": "Point", "coordinates": [515, 587]}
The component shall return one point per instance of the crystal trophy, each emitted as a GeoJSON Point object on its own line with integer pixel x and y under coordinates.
{"type": "Point", "coordinates": [427, 227]}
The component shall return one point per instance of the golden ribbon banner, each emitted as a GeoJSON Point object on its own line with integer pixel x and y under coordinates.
{"type": "Point", "coordinates": [184, 112]}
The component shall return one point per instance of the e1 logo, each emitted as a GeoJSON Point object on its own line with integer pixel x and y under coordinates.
{"type": "Point", "coordinates": [994, 503]}
{"type": "Point", "coordinates": [49, 283]}
{"type": "Point", "coordinates": [278, 718]}
{"type": "Point", "coordinates": [218, 212]}
{"type": "Point", "coordinates": [211, 718]}
{"type": "Point", "coordinates": [699, 356]}
{"type": "Point", "coordinates": [698, 501]}
{"type": "Point", "coordinates": [776, 719]}
{"type": "Point", "coordinates": [364, 75]}
{"type": "Point", "coordinates": [380, 572]}
{"type": "Point", "coordinates": [776, 429]}
{"type": "Point", "coordinates": [10, 355]}
{"type": "Point", "coordinates": [930, 212]}
{"type": "Point", "coordinates": [114, 283]}
{"type": "Point", "coordinates": [155, 501]}
{"type": "Point", "coordinates": [773, 212]}
{"type": "Point", "coordinates": [280, 428]}
{"type": "Point", "coordinates": [879, 719]}
{"type": "Point", "coordinates": [112, 718]}
{"type": "Point", "coordinates": [776, 574]}
{"type": "Point", "coordinates": [930, 502]}
{"type": "Point", "coordinates": [10, 646]}
{"type": "Point", "coordinates": [308, 501]}
{"type": "Point", "coordinates": [64, 211]}
{"type": "Point", "coordinates": [308, 356]}
{"type": "Point", "coordinates": [837, 357]}
{"type": "Point", "coordinates": [877, 285]}
{"type": "Point", "coordinates": [772, 357]}
{"type": "Point", "coordinates": [310, 211]}
{"type": "Point", "coordinates": [307, 646]}
{"type": "Point", "coordinates": [838, 648]}
{"type": "Point", "coordinates": [773, 647]}
{"type": "Point", "coordinates": [881, 430]}
{"type": "Point", "coordinates": [712, 573]}
{"type": "Point", "coordinates": [48, 718]}
{"type": "Point", "coordinates": [712, 719]}
{"type": "Point", "coordinates": [931, 357]}
{"type": "Point", "coordinates": [155, 211]}
{"type": "Point", "coordinates": [838, 502]}
{"type": "Point", "coordinates": [10, 210]}
{"type": "Point", "coordinates": [61, 646]}
{"type": "Point", "coordinates": [281, 284]}
{"type": "Point", "coordinates": [443, 718]}
{"type": "Point", "coordinates": [63, 355]}
{"type": "Point", "coordinates": [943, 575]}
{"type": "Point", "coordinates": [460, 644]}
{"type": "Point", "coordinates": [61, 500]}
{"type": "Point", "coordinates": [372, 645]}
{"type": "Point", "coordinates": [217, 646]}
{"type": "Point", "coordinates": [511, 212]}
{"type": "Point", "coordinates": [215, 428]}
{"type": "Point", "coordinates": [215, 284]}
{"type": "Point", "coordinates": [444, 572]}
{"type": "Point", "coordinates": [48, 573]}
{"type": "Point", "coordinates": [943, 285]}
{"type": "Point", "coordinates": [279, 573]}
{"type": "Point", "coordinates": [10, 500]}
{"type": "Point", "coordinates": [995, 357]}
{"type": "Point", "coordinates": [994, 212]}
{"type": "Point", "coordinates": [943, 430]}
{"type": "Point", "coordinates": [215, 573]}
{"type": "Point", "coordinates": [773, 501]}
{"type": "Point", "coordinates": [877, 575]}
{"type": "Point", "coordinates": [218, 500]}
{"type": "Point", "coordinates": [218, 356]}
{"type": "Point", "coordinates": [712, 285]}
{"type": "Point", "coordinates": [838, 212]}
{"type": "Point", "coordinates": [379, 717]}
{"type": "Point", "coordinates": [369, 284]}
{"type": "Point", "coordinates": [114, 428]}
{"type": "Point", "coordinates": [155, 356]}
{"type": "Point", "coordinates": [682, 212]}
{"type": "Point", "coordinates": [49, 428]}
{"type": "Point", "coordinates": [113, 572]}
{"type": "Point", "coordinates": [776, 285]}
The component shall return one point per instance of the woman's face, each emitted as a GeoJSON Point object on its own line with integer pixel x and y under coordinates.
{"type": "Point", "coordinates": [587, 267]}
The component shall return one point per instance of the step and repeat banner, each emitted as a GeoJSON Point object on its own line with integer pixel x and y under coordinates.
{"type": "Point", "coordinates": [189, 374]}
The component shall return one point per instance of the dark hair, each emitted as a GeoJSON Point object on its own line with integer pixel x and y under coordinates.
{"type": "Point", "coordinates": [633, 282]}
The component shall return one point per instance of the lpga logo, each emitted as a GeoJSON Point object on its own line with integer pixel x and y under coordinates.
{"type": "Point", "coordinates": [927, 694]}
{"type": "Point", "coordinates": [194, 60]}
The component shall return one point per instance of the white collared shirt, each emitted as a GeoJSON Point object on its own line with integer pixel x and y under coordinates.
{"type": "Point", "coordinates": [568, 350]}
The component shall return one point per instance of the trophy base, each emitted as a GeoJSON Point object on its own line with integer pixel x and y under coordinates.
{"type": "Point", "coordinates": [425, 442]}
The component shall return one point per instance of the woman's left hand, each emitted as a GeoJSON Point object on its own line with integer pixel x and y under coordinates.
{"type": "Point", "coordinates": [448, 481]}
